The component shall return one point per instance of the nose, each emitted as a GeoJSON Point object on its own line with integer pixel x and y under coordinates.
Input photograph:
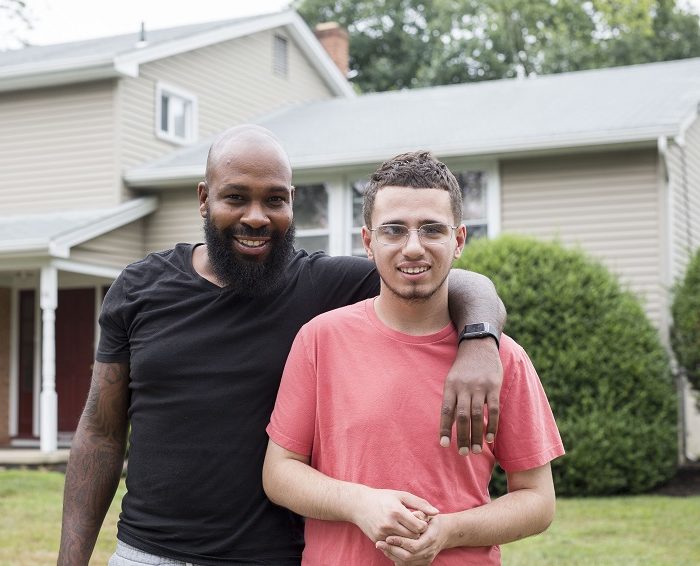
{"type": "Point", "coordinates": [413, 246]}
{"type": "Point", "coordinates": [254, 216]}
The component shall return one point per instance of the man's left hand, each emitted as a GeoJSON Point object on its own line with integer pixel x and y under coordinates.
{"type": "Point", "coordinates": [473, 381]}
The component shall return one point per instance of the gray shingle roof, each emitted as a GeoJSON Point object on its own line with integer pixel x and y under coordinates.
{"type": "Point", "coordinates": [55, 232]}
{"type": "Point", "coordinates": [108, 47]}
{"type": "Point", "coordinates": [587, 108]}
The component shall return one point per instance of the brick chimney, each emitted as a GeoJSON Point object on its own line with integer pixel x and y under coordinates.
{"type": "Point", "coordinates": [335, 41]}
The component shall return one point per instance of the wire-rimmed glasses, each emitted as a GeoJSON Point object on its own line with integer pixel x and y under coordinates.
{"type": "Point", "coordinates": [397, 234]}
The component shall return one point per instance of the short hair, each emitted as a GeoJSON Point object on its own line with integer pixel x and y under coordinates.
{"type": "Point", "coordinates": [418, 170]}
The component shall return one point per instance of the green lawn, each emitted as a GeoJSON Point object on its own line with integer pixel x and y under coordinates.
{"type": "Point", "coordinates": [648, 530]}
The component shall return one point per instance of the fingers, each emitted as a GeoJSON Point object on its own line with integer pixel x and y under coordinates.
{"type": "Point", "coordinates": [419, 504]}
{"type": "Point", "coordinates": [494, 410]}
{"type": "Point", "coordinates": [477, 423]}
{"type": "Point", "coordinates": [463, 423]}
{"type": "Point", "coordinates": [447, 413]}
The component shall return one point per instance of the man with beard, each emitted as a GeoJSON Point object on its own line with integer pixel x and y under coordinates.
{"type": "Point", "coordinates": [193, 343]}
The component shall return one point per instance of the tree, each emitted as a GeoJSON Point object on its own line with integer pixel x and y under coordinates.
{"type": "Point", "coordinates": [15, 20]}
{"type": "Point", "coordinates": [412, 43]}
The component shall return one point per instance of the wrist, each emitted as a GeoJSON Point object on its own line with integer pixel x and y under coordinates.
{"type": "Point", "coordinates": [358, 501]}
{"type": "Point", "coordinates": [480, 331]}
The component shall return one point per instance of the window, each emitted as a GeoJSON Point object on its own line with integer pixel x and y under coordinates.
{"type": "Point", "coordinates": [474, 203]}
{"type": "Point", "coordinates": [311, 217]}
{"type": "Point", "coordinates": [280, 56]}
{"type": "Point", "coordinates": [358, 221]}
{"type": "Point", "coordinates": [176, 115]}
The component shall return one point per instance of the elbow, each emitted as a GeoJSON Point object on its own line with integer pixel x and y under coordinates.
{"type": "Point", "coordinates": [546, 515]}
{"type": "Point", "coordinates": [270, 483]}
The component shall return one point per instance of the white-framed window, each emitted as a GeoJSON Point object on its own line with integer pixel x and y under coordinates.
{"type": "Point", "coordinates": [280, 56]}
{"type": "Point", "coordinates": [474, 202]}
{"type": "Point", "coordinates": [357, 190]}
{"type": "Point", "coordinates": [311, 217]}
{"type": "Point", "coordinates": [176, 114]}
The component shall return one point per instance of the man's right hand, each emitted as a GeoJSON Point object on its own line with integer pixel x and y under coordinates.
{"type": "Point", "coordinates": [381, 513]}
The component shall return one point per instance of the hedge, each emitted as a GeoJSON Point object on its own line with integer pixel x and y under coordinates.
{"type": "Point", "coordinates": [605, 372]}
{"type": "Point", "coordinates": [685, 332]}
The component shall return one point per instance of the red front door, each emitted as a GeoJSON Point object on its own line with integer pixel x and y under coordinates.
{"type": "Point", "coordinates": [75, 338]}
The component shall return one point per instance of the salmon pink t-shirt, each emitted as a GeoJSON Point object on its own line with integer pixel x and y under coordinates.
{"type": "Point", "coordinates": [363, 401]}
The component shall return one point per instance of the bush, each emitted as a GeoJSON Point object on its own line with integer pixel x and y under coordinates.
{"type": "Point", "coordinates": [600, 360]}
{"type": "Point", "coordinates": [685, 333]}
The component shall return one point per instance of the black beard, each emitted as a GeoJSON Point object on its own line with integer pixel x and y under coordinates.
{"type": "Point", "coordinates": [240, 275]}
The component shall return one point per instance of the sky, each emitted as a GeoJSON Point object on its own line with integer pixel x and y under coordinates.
{"type": "Point", "coordinates": [59, 21]}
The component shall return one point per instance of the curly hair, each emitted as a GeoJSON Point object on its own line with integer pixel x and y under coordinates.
{"type": "Point", "coordinates": [418, 170]}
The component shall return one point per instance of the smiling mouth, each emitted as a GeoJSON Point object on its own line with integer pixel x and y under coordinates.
{"type": "Point", "coordinates": [413, 270]}
{"type": "Point", "coordinates": [251, 243]}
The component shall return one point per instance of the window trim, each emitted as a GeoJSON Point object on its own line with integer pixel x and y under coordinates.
{"type": "Point", "coordinates": [191, 125]}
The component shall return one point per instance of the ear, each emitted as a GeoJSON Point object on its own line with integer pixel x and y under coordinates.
{"type": "Point", "coordinates": [203, 196]}
{"type": "Point", "coordinates": [367, 242]}
{"type": "Point", "coordinates": [461, 236]}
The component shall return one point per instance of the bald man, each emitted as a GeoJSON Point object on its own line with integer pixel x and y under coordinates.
{"type": "Point", "coordinates": [192, 347]}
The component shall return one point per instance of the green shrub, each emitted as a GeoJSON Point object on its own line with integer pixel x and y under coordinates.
{"type": "Point", "coordinates": [685, 333]}
{"type": "Point", "coordinates": [599, 358]}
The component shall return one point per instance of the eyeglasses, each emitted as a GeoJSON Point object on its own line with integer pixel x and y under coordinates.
{"type": "Point", "coordinates": [397, 234]}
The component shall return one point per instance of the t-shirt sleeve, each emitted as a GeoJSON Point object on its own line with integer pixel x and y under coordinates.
{"type": "Point", "coordinates": [114, 340]}
{"type": "Point", "coordinates": [292, 424]}
{"type": "Point", "coordinates": [339, 281]}
{"type": "Point", "coordinates": [527, 432]}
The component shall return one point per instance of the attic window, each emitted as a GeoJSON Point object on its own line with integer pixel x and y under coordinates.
{"type": "Point", "coordinates": [280, 56]}
{"type": "Point", "coordinates": [176, 114]}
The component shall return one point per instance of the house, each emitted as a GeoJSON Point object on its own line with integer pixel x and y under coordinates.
{"type": "Point", "coordinates": [608, 160]}
{"type": "Point", "coordinates": [74, 118]}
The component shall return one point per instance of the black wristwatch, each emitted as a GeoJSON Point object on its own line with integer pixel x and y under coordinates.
{"type": "Point", "coordinates": [480, 330]}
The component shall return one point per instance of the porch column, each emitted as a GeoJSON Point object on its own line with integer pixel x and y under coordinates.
{"type": "Point", "coordinates": [48, 417]}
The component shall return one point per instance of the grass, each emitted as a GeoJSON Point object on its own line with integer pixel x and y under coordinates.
{"type": "Point", "coordinates": [649, 530]}
{"type": "Point", "coordinates": [30, 519]}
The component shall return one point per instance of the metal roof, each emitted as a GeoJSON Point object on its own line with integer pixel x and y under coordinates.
{"type": "Point", "coordinates": [618, 105]}
{"type": "Point", "coordinates": [54, 233]}
{"type": "Point", "coordinates": [121, 55]}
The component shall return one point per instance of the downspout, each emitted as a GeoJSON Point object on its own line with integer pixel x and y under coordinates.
{"type": "Point", "coordinates": [664, 177]}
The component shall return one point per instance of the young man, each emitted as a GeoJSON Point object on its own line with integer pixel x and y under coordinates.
{"type": "Point", "coordinates": [375, 490]}
{"type": "Point", "coordinates": [193, 343]}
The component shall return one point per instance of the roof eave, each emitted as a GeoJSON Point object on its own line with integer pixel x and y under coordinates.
{"type": "Point", "coordinates": [60, 74]}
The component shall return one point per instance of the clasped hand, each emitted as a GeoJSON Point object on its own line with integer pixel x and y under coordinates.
{"type": "Point", "coordinates": [403, 526]}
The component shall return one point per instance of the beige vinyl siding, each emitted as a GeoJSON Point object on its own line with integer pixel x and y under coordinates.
{"type": "Point", "coordinates": [57, 149]}
{"type": "Point", "coordinates": [606, 203]}
{"type": "Point", "coordinates": [233, 82]}
{"type": "Point", "coordinates": [176, 220]}
{"type": "Point", "coordinates": [683, 164]}
{"type": "Point", "coordinates": [117, 248]}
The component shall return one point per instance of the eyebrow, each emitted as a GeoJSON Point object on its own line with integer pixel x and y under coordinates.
{"type": "Point", "coordinates": [420, 222]}
{"type": "Point", "coordinates": [246, 188]}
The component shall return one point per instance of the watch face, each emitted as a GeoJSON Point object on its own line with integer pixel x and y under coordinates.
{"type": "Point", "coordinates": [473, 328]}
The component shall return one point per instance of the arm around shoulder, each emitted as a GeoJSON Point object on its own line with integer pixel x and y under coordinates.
{"type": "Point", "coordinates": [95, 462]}
{"type": "Point", "coordinates": [476, 375]}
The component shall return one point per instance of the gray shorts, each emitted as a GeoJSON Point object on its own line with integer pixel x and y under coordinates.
{"type": "Point", "coordinates": [126, 555]}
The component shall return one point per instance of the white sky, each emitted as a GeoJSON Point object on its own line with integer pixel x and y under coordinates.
{"type": "Point", "coordinates": [58, 21]}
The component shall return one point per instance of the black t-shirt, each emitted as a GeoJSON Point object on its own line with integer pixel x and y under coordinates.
{"type": "Point", "coordinates": [205, 367]}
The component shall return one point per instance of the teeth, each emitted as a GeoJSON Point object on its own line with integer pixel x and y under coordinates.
{"type": "Point", "coordinates": [413, 270]}
{"type": "Point", "coordinates": [251, 243]}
